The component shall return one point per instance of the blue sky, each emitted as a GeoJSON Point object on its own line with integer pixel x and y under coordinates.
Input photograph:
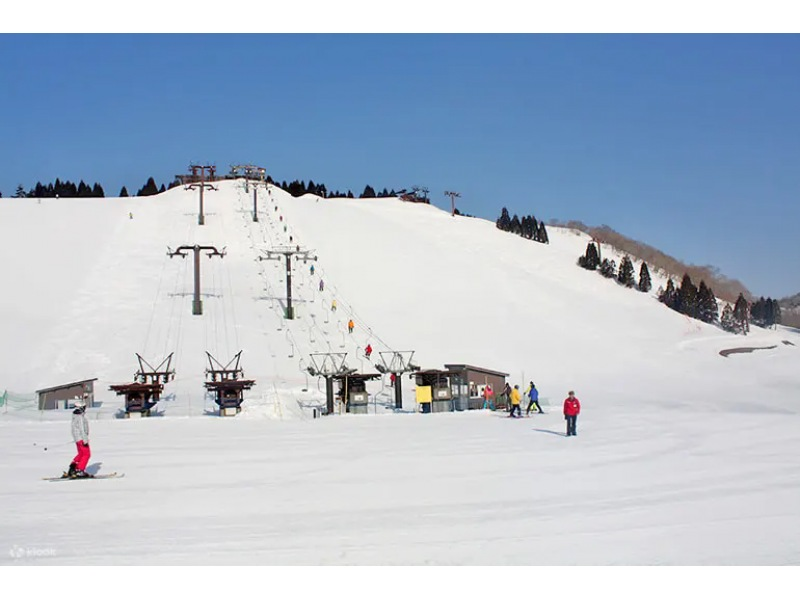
{"type": "Point", "coordinates": [688, 143]}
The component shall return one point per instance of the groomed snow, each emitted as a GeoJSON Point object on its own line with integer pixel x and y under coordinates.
{"type": "Point", "coordinates": [683, 456]}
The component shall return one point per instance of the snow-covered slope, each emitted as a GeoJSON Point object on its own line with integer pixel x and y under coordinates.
{"type": "Point", "coordinates": [89, 286]}
{"type": "Point", "coordinates": [677, 448]}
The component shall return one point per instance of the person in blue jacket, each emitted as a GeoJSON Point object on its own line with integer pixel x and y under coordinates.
{"type": "Point", "coordinates": [533, 395]}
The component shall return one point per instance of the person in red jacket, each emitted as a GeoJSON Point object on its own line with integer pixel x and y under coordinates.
{"type": "Point", "coordinates": [572, 407]}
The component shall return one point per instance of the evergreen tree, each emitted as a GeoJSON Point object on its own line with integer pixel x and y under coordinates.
{"type": "Point", "coordinates": [368, 192]}
{"type": "Point", "coordinates": [769, 313]}
{"type": "Point", "coordinates": [504, 222]}
{"type": "Point", "coordinates": [608, 268]}
{"type": "Point", "coordinates": [707, 309]}
{"type": "Point", "coordinates": [669, 296]}
{"type": "Point", "coordinates": [687, 297]}
{"type": "Point", "coordinates": [626, 274]}
{"type": "Point", "coordinates": [727, 321]}
{"type": "Point", "coordinates": [150, 188]}
{"type": "Point", "coordinates": [590, 259]}
{"type": "Point", "coordinates": [162, 189]}
{"type": "Point", "coordinates": [349, 194]}
{"type": "Point", "coordinates": [645, 284]}
{"type": "Point", "coordinates": [741, 315]}
{"type": "Point", "coordinates": [123, 192]}
{"type": "Point", "coordinates": [543, 238]}
{"type": "Point", "coordinates": [776, 312]}
{"type": "Point", "coordinates": [97, 191]}
{"type": "Point", "coordinates": [758, 313]}
{"type": "Point", "coordinates": [516, 226]}
{"type": "Point", "coordinates": [20, 191]}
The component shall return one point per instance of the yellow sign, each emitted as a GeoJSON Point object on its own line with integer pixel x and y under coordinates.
{"type": "Point", "coordinates": [424, 394]}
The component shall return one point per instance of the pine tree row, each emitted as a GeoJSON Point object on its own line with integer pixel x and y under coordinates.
{"type": "Point", "coordinates": [626, 276]}
{"type": "Point", "coordinates": [527, 227]}
{"type": "Point", "coordinates": [297, 188]}
{"type": "Point", "coordinates": [61, 189]}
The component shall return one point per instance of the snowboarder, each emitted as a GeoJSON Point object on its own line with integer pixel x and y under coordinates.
{"type": "Point", "coordinates": [350, 326]}
{"type": "Point", "coordinates": [80, 434]}
{"type": "Point", "coordinates": [515, 400]}
{"type": "Point", "coordinates": [321, 285]}
{"type": "Point", "coordinates": [533, 395]}
{"type": "Point", "coordinates": [368, 351]}
{"type": "Point", "coordinates": [572, 407]}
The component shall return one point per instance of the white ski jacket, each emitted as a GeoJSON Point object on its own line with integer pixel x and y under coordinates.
{"type": "Point", "coordinates": [80, 427]}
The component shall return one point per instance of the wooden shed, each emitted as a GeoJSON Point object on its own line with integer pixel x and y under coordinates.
{"type": "Point", "coordinates": [468, 386]}
{"type": "Point", "coordinates": [62, 397]}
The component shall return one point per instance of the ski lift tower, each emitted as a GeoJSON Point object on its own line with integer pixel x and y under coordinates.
{"type": "Point", "coordinates": [199, 182]}
{"type": "Point", "coordinates": [329, 365]}
{"type": "Point", "coordinates": [227, 383]}
{"type": "Point", "coordinates": [145, 391]}
{"type": "Point", "coordinates": [250, 173]}
{"type": "Point", "coordinates": [197, 303]}
{"type": "Point", "coordinates": [397, 363]}
{"type": "Point", "coordinates": [287, 253]}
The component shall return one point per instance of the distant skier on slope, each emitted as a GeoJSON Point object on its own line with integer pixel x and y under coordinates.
{"type": "Point", "coordinates": [312, 269]}
{"type": "Point", "coordinates": [368, 351]}
{"type": "Point", "coordinates": [572, 407]}
{"type": "Point", "coordinates": [350, 326]}
{"type": "Point", "coordinates": [321, 285]}
{"type": "Point", "coordinates": [515, 400]}
{"type": "Point", "coordinates": [533, 395]}
{"type": "Point", "coordinates": [80, 434]}
{"type": "Point", "coordinates": [333, 305]}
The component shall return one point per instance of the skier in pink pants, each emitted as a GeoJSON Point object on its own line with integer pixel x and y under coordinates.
{"type": "Point", "coordinates": [80, 433]}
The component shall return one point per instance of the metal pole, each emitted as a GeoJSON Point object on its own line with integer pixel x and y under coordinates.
{"type": "Point", "coordinates": [200, 218]}
{"type": "Point", "coordinates": [398, 392]}
{"type": "Point", "coordinates": [289, 310]}
{"type": "Point", "coordinates": [255, 205]}
{"type": "Point", "coordinates": [197, 305]}
{"type": "Point", "coordinates": [329, 393]}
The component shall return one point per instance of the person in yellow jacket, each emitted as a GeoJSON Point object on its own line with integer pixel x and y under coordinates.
{"type": "Point", "coordinates": [515, 401]}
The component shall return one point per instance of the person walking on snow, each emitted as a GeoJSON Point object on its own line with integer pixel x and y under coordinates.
{"type": "Point", "coordinates": [506, 394]}
{"type": "Point", "coordinates": [515, 400]}
{"type": "Point", "coordinates": [312, 269]}
{"type": "Point", "coordinates": [572, 407]}
{"type": "Point", "coordinates": [350, 326]}
{"type": "Point", "coordinates": [488, 397]}
{"type": "Point", "coordinates": [321, 285]}
{"type": "Point", "coordinates": [533, 395]}
{"type": "Point", "coordinates": [80, 434]}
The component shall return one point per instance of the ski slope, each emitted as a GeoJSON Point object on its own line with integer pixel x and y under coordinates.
{"type": "Point", "coordinates": [683, 456]}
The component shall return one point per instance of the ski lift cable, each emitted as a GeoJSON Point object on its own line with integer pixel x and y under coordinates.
{"type": "Point", "coordinates": [180, 317]}
{"type": "Point", "coordinates": [155, 303]}
{"type": "Point", "coordinates": [227, 298]}
{"type": "Point", "coordinates": [233, 308]}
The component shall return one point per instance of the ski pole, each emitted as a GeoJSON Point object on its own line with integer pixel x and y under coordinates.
{"type": "Point", "coordinates": [53, 445]}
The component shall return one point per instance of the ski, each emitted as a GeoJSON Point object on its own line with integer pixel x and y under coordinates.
{"type": "Point", "coordinates": [100, 476]}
